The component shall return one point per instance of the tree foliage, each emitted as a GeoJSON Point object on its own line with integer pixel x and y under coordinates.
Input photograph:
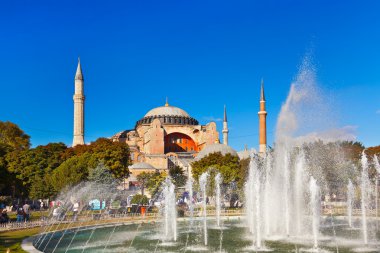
{"type": "Point", "coordinates": [114, 155]}
{"type": "Point", "coordinates": [32, 167]}
{"type": "Point", "coordinates": [12, 136]}
{"type": "Point", "coordinates": [140, 199]}
{"type": "Point", "coordinates": [152, 181]}
{"type": "Point", "coordinates": [228, 165]}
{"type": "Point", "coordinates": [178, 176]}
{"type": "Point", "coordinates": [70, 172]}
{"type": "Point", "coordinates": [155, 182]}
{"type": "Point", "coordinates": [45, 170]}
{"type": "Point", "coordinates": [333, 163]}
{"type": "Point", "coordinates": [102, 175]}
{"type": "Point", "coordinates": [143, 179]}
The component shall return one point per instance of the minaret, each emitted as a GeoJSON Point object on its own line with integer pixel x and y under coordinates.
{"type": "Point", "coordinates": [78, 108]}
{"type": "Point", "coordinates": [262, 122]}
{"type": "Point", "coordinates": [225, 128]}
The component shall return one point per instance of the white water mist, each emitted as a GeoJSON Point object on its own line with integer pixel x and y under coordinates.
{"type": "Point", "coordinates": [202, 183]}
{"type": "Point", "coordinates": [315, 210]}
{"type": "Point", "coordinates": [350, 199]}
{"type": "Point", "coordinates": [218, 182]}
{"type": "Point", "coordinates": [170, 211]}
{"type": "Point", "coordinates": [365, 184]}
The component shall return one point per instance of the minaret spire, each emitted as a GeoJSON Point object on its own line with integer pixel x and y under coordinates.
{"type": "Point", "coordinates": [166, 103]}
{"type": "Point", "coordinates": [262, 94]}
{"type": "Point", "coordinates": [262, 122]}
{"type": "Point", "coordinates": [225, 127]}
{"type": "Point", "coordinates": [78, 107]}
{"type": "Point", "coordinates": [78, 74]}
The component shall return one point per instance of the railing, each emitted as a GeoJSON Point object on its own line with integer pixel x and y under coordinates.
{"type": "Point", "coordinates": [81, 219]}
{"type": "Point", "coordinates": [97, 218]}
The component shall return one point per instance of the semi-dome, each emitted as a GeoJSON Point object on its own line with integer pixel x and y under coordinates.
{"type": "Point", "coordinates": [141, 166]}
{"type": "Point", "coordinates": [167, 111]}
{"type": "Point", "coordinates": [214, 148]}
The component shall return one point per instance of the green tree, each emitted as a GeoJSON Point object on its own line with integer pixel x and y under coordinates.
{"type": "Point", "coordinates": [178, 176]}
{"type": "Point", "coordinates": [13, 136]}
{"type": "Point", "coordinates": [102, 175]}
{"type": "Point", "coordinates": [114, 155]}
{"type": "Point", "coordinates": [228, 165]}
{"type": "Point", "coordinates": [33, 166]}
{"type": "Point", "coordinates": [154, 184]}
{"type": "Point", "coordinates": [140, 199]}
{"type": "Point", "coordinates": [243, 172]}
{"type": "Point", "coordinates": [143, 179]}
{"type": "Point", "coordinates": [70, 172]}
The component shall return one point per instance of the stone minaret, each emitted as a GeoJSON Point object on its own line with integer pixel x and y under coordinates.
{"type": "Point", "coordinates": [262, 122]}
{"type": "Point", "coordinates": [225, 128]}
{"type": "Point", "coordinates": [78, 108]}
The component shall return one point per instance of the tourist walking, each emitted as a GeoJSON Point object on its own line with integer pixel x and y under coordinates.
{"type": "Point", "coordinates": [20, 215]}
{"type": "Point", "coordinates": [4, 218]}
{"type": "Point", "coordinates": [75, 210]}
{"type": "Point", "coordinates": [26, 209]}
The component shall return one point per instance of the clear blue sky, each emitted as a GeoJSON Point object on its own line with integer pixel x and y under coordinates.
{"type": "Point", "coordinates": [201, 54]}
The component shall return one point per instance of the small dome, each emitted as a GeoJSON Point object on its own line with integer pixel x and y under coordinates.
{"type": "Point", "coordinates": [142, 166]}
{"type": "Point", "coordinates": [214, 148]}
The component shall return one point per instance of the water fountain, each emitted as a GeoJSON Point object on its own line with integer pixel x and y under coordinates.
{"type": "Point", "coordinates": [365, 184]}
{"type": "Point", "coordinates": [202, 183]}
{"type": "Point", "coordinates": [314, 207]}
{"type": "Point", "coordinates": [266, 208]}
{"type": "Point", "coordinates": [253, 202]}
{"type": "Point", "coordinates": [350, 198]}
{"type": "Point", "coordinates": [218, 182]}
{"type": "Point", "coordinates": [299, 193]}
{"type": "Point", "coordinates": [189, 188]}
{"type": "Point", "coordinates": [377, 167]}
{"type": "Point", "coordinates": [170, 211]}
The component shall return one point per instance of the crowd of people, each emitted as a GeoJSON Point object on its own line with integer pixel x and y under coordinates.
{"type": "Point", "coordinates": [22, 213]}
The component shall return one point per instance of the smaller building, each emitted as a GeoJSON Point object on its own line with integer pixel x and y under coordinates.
{"type": "Point", "coordinates": [135, 170]}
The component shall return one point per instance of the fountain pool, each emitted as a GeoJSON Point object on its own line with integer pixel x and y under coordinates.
{"type": "Point", "coordinates": [147, 237]}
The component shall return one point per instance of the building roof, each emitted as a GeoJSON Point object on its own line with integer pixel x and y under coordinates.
{"type": "Point", "coordinates": [167, 111]}
{"type": "Point", "coordinates": [214, 148]}
{"type": "Point", "coordinates": [142, 166]}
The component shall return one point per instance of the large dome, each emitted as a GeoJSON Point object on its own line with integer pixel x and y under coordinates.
{"type": "Point", "coordinates": [167, 111]}
{"type": "Point", "coordinates": [168, 115]}
{"type": "Point", "coordinates": [214, 148]}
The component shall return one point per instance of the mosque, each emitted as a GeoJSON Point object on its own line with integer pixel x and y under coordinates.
{"type": "Point", "coordinates": [167, 136]}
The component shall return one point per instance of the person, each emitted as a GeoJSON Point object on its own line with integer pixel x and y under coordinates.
{"type": "Point", "coordinates": [75, 211]}
{"type": "Point", "coordinates": [4, 218]}
{"type": "Point", "coordinates": [26, 209]}
{"type": "Point", "coordinates": [56, 213]}
{"type": "Point", "coordinates": [20, 214]}
{"type": "Point", "coordinates": [42, 206]}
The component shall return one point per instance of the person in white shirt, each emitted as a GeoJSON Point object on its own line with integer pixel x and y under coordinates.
{"type": "Point", "coordinates": [75, 211]}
